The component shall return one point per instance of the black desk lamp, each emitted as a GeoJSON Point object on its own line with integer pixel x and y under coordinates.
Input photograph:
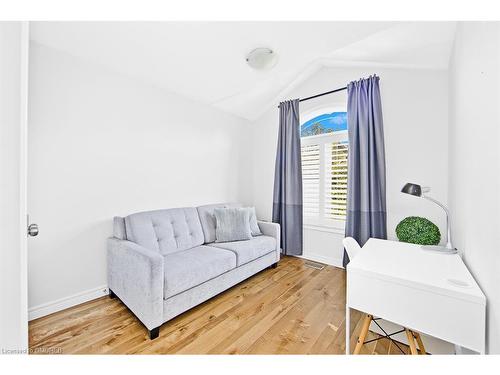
{"type": "Point", "coordinates": [419, 191]}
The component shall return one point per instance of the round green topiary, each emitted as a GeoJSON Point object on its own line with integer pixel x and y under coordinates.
{"type": "Point", "coordinates": [418, 230]}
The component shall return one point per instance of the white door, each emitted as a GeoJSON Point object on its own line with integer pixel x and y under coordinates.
{"type": "Point", "coordinates": [14, 43]}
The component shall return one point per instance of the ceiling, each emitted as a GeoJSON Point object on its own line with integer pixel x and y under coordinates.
{"type": "Point", "coordinates": [205, 61]}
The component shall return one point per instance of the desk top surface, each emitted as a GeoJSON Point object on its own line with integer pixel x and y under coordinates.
{"type": "Point", "coordinates": [409, 264]}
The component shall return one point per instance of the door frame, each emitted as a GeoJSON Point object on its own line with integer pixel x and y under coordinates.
{"type": "Point", "coordinates": [23, 182]}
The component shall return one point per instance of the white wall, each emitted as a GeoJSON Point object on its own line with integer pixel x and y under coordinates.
{"type": "Point", "coordinates": [13, 318]}
{"type": "Point", "coordinates": [102, 144]}
{"type": "Point", "coordinates": [415, 110]}
{"type": "Point", "coordinates": [474, 160]}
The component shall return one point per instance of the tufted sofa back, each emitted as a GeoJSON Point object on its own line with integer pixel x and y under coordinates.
{"type": "Point", "coordinates": [165, 231]}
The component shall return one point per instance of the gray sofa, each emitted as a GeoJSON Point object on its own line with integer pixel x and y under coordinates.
{"type": "Point", "coordinates": [162, 263]}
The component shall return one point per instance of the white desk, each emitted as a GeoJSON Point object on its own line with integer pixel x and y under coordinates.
{"type": "Point", "coordinates": [406, 285]}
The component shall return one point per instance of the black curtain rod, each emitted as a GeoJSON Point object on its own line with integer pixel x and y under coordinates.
{"type": "Point", "coordinates": [322, 94]}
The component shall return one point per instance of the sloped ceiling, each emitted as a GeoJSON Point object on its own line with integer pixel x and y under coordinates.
{"type": "Point", "coordinates": [205, 61]}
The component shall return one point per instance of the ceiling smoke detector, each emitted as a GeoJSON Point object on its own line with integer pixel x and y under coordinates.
{"type": "Point", "coordinates": [262, 58]}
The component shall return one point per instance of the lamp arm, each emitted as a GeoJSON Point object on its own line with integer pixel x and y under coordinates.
{"type": "Point", "coordinates": [448, 228]}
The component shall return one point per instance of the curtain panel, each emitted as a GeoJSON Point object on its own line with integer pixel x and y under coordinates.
{"type": "Point", "coordinates": [366, 181]}
{"type": "Point", "coordinates": [287, 196]}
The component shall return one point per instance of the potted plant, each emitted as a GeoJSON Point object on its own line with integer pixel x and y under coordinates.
{"type": "Point", "coordinates": [418, 230]}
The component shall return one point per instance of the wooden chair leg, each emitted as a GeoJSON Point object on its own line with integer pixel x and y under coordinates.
{"type": "Point", "coordinates": [411, 342]}
{"type": "Point", "coordinates": [363, 333]}
{"type": "Point", "coordinates": [420, 343]}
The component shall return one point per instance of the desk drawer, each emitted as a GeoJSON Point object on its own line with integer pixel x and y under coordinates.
{"type": "Point", "coordinates": [451, 319]}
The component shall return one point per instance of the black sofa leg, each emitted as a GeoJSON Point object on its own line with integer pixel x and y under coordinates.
{"type": "Point", "coordinates": [112, 294]}
{"type": "Point", "coordinates": [274, 265]}
{"type": "Point", "coordinates": [154, 333]}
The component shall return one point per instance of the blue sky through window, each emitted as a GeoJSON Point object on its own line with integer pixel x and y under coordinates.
{"type": "Point", "coordinates": [325, 123]}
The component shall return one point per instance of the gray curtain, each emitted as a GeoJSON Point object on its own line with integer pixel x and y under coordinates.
{"type": "Point", "coordinates": [287, 198]}
{"type": "Point", "coordinates": [366, 207]}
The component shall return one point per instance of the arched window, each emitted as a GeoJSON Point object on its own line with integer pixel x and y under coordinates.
{"type": "Point", "coordinates": [324, 147]}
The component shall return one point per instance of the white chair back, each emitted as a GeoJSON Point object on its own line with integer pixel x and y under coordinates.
{"type": "Point", "coordinates": [351, 246]}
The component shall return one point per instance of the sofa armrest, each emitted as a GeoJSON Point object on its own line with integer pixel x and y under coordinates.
{"type": "Point", "coordinates": [135, 275]}
{"type": "Point", "coordinates": [273, 230]}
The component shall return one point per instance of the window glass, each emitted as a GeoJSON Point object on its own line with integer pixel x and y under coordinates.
{"type": "Point", "coordinates": [325, 123]}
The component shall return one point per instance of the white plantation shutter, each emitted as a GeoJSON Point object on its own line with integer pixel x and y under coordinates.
{"type": "Point", "coordinates": [324, 178]}
{"type": "Point", "coordinates": [335, 180]}
{"type": "Point", "coordinates": [311, 179]}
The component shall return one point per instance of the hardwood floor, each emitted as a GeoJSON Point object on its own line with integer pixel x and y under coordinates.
{"type": "Point", "coordinates": [292, 309]}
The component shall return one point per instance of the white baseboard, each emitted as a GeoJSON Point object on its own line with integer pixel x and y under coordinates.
{"type": "Point", "coordinates": [331, 261]}
{"type": "Point", "coordinates": [66, 302]}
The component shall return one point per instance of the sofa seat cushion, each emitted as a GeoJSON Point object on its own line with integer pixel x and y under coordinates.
{"type": "Point", "coordinates": [246, 251]}
{"type": "Point", "coordinates": [189, 268]}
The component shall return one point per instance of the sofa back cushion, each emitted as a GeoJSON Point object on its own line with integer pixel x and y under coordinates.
{"type": "Point", "coordinates": [207, 218]}
{"type": "Point", "coordinates": [119, 228]}
{"type": "Point", "coordinates": [165, 231]}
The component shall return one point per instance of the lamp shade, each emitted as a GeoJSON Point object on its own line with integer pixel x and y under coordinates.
{"type": "Point", "coordinates": [412, 189]}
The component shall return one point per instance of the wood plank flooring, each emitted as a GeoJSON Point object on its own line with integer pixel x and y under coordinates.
{"type": "Point", "coordinates": [292, 309]}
